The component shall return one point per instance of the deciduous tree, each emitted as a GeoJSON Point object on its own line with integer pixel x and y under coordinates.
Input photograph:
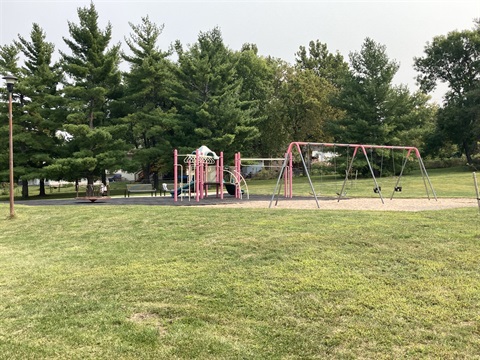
{"type": "Point", "coordinates": [454, 59]}
{"type": "Point", "coordinates": [331, 67]}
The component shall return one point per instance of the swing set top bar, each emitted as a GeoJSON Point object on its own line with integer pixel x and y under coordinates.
{"type": "Point", "coordinates": [356, 146]}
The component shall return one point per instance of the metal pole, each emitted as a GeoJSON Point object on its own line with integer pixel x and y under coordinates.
{"type": "Point", "coordinates": [425, 174]}
{"type": "Point", "coordinates": [373, 174]}
{"type": "Point", "coordinates": [401, 173]}
{"type": "Point", "coordinates": [277, 186]}
{"type": "Point", "coordinates": [309, 179]}
{"type": "Point", "coordinates": [348, 172]}
{"type": "Point", "coordinates": [175, 175]}
{"type": "Point", "coordinates": [10, 138]}
{"type": "Point", "coordinates": [476, 189]}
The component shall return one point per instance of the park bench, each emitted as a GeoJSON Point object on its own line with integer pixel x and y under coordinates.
{"type": "Point", "coordinates": [140, 188]}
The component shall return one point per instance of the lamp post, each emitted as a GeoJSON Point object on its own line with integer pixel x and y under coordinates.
{"type": "Point", "coordinates": [10, 80]}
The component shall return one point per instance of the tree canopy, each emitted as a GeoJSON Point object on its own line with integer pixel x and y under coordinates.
{"type": "Point", "coordinates": [99, 108]}
{"type": "Point", "coordinates": [454, 59]}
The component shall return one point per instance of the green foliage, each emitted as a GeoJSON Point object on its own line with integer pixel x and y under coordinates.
{"type": "Point", "coordinates": [93, 80]}
{"type": "Point", "coordinates": [376, 112]}
{"type": "Point", "coordinates": [255, 95]}
{"type": "Point", "coordinates": [36, 141]}
{"type": "Point", "coordinates": [150, 116]}
{"type": "Point", "coordinates": [454, 59]}
{"type": "Point", "coordinates": [229, 100]}
{"type": "Point", "coordinates": [207, 96]}
{"type": "Point", "coordinates": [92, 68]}
{"type": "Point", "coordinates": [328, 66]}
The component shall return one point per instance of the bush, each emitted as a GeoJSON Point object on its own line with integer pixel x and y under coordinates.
{"type": "Point", "coordinates": [444, 163]}
{"type": "Point", "coordinates": [266, 174]}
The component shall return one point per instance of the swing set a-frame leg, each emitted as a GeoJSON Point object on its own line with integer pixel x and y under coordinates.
{"type": "Point", "coordinates": [379, 190]}
{"type": "Point", "coordinates": [277, 186]}
{"type": "Point", "coordinates": [342, 191]}
{"type": "Point", "coordinates": [399, 176]}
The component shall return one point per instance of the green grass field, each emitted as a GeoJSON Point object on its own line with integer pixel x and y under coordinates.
{"type": "Point", "coordinates": [452, 182]}
{"type": "Point", "coordinates": [147, 282]}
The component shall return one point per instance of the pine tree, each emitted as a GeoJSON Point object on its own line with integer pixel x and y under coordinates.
{"type": "Point", "coordinates": [93, 82]}
{"type": "Point", "coordinates": [376, 112]}
{"type": "Point", "coordinates": [146, 99]}
{"type": "Point", "coordinates": [256, 92]}
{"type": "Point", "coordinates": [207, 97]}
{"type": "Point", "coordinates": [41, 109]}
{"type": "Point", "coordinates": [9, 58]}
{"type": "Point", "coordinates": [365, 96]}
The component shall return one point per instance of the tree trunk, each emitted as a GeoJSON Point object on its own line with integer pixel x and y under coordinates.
{"type": "Point", "coordinates": [24, 189]}
{"type": "Point", "coordinates": [146, 174]}
{"type": "Point", "coordinates": [90, 189]}
{"type": "Point", "coordinates": [468, 154]}
{"type": "Point", "coordinates": [42, 188]}
{"type": "Point", "coordinates": [155, 180]}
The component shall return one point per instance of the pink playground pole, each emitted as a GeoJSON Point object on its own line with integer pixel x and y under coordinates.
{"type": "Point", "coordinates": [290, 175]}
{"type": "Point", "coordinates": [205, 180]}
{"type": "Point", "coordinates": [286, 178]}
{"type": "Point", "coordinates": [237, 174]}
{"type": "Point", "coordinates": [175, 173]}
{"type": "Point", "coordinates": [197, 175]}
{"type": "Point", "coordinates": [220, 175]}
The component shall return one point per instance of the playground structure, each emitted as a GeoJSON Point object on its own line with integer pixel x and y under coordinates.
{"type": "Point", "coordinates": [287, 168]}
{"type": "Point", "coordinates": [204, 169]}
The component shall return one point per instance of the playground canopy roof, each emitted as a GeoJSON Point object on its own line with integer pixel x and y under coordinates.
{"type": "Point", "coordinates": [205, 151]}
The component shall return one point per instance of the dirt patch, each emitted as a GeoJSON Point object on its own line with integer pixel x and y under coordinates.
{"type": "Point", "coordinates": [149, 319]}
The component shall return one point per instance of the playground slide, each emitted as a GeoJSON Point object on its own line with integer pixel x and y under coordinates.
{"type": "Point", "coordinates": [185, 187]}
{"type": "Point", "coordinates": [231, 188]}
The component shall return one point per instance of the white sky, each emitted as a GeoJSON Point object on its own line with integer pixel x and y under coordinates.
{"type": "Point", "coordinates": [278, 28]}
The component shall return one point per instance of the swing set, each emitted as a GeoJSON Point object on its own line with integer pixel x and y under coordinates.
{"type": "Point", "coordinates": [287, 168]}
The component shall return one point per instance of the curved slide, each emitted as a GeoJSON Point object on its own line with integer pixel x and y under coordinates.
{"type": "Point", "coordinates": [231, 188]}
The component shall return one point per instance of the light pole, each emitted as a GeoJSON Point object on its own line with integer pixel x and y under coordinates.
{"type": "Point", "coordinates": [10, 80]}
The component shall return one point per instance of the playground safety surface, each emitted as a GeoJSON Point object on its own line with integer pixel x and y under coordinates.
{"type": "Point", "coordinates": [263, 201]}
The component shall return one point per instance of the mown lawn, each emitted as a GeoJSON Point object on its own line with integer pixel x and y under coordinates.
{"type": "Point", "coordinates": [451, 182]}
{"type": "Point", "coordinates": [138, 282]}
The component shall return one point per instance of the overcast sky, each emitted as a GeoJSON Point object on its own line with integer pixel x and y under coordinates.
{"type": "Point", "coordinates": [278, 28]}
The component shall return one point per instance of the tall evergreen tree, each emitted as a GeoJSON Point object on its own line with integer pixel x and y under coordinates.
{"type": "Point", "coordinates": [146, 100]}
{"type": "Point", "coordinates": [9, 59]}
{"type": "Point", "coordinates": [93, 80]}
{"type": "Point", "coordinates": [366, 94]}
{"type": "Point", "coordinates": [207, 96]}
{"type": "Point", "coordinates": [41, 109]}
{"type": "Point", "coordinates": [376, 112]}
{"type": "Point", "coordinates": [256, 93]}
